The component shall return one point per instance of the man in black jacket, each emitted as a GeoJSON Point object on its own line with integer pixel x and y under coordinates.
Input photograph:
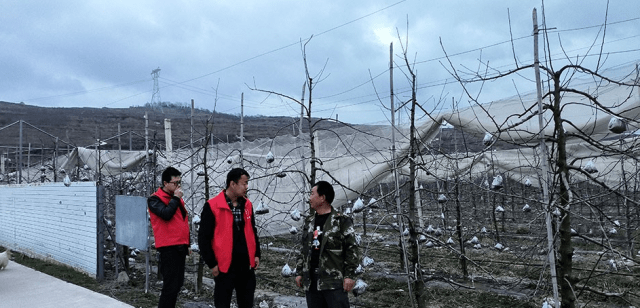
{"type": "Point", "coordinates": [228, 241]}
{"type": "Point", "coordinates": [170, 223]}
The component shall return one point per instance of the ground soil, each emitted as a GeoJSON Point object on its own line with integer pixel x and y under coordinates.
{"type": "Point", "coordinates": [509, 278]}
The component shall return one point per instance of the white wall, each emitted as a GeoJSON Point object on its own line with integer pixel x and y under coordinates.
{"type": "Point", "coordinates": [51, 221]}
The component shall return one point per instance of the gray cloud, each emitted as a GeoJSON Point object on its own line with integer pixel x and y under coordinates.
{"type": "Point", "coordinates": [101, 54]}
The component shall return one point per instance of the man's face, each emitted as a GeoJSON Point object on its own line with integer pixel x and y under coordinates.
{"type": "Point", "coordinates": [170, 187]}
{"type": "Point", "coordinates": [315, 200]}
{"type": "Point", "coordinates": [240, 188]}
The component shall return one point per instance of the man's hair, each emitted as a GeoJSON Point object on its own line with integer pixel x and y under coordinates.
{"type": "Point", "coordinates": [235, 174]}
{"type": "Point", "coordinates": [169, 173]}
{"type": "Point", "coordinates": [325, 189]}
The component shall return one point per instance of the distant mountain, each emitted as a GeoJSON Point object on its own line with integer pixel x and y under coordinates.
{"type": "Point", "coordinates": [83, 126]}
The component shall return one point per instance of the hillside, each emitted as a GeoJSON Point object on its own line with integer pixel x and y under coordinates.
{"type": "Point", "coordinates": [83, 126]}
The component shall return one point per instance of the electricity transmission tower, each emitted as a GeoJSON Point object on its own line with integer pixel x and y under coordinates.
{"type": "Point", "coordinates": [155, 96]}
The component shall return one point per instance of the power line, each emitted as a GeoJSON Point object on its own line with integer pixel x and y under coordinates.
{"type": "Point", "coordinates": [293, 44]}
{"type": "Point", "coordinates": [184, 84]}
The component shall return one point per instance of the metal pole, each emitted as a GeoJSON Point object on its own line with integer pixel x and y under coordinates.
{"type": "Point", "coordinates": [395, 175]}
{"type": "Point", "coordinates": [148, 251]}
{"type": "Point", "coordinates": [146, 152]}
{"type": "Point", "coordinates": [55, 158]}
{"type": "Point", "coordinates": [544, 181]}
{"type": "Point", "coordinates": [191, 186]}
{"type": "Point", "coordinates": [20, 156]}
{"type": "Point", "coordinates": [120, 151]}
{"type": "Point", "coordinates": [241, 129]}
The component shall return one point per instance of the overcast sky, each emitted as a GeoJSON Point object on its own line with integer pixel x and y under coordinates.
{"type": "Point", "coordinates": [101, 53]}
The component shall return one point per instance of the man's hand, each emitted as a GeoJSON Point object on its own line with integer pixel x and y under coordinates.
{"type": "Point", "coordinates": [215, 271]}
{"type": "Point", "coordinates": [178, 193]}
{"type": "Point", "coordinates": [348, 284]}
{"type": "Point", "coordinates": [299, 281]}
{"type": "Point", "coordinates": [257, 262]}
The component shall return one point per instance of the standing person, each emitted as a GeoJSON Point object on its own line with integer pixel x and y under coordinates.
{"type": "Point", "coordinates": [329, 255]}
{"type": "Point", "coordinates": [228, 241]}
{"type": "Point", "coordinates": [170, 223]}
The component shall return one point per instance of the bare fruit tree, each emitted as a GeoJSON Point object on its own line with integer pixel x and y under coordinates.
{"type": "Point", "coordinates": [562, 134]}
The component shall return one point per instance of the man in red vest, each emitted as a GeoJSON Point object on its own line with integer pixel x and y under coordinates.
{"type": "Point", "coordinates": [228, 241]}
{"type": "Point", "coordinates": [170, 223]}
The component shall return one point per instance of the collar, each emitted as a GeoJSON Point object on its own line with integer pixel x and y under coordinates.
{"type": "Point", "coordinates": [164, 191]}
{"type": "Point", "coordinates": [241, 200]}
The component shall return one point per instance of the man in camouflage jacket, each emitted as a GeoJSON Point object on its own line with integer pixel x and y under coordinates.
{"type": "Point", "coordinates": [329, 254]}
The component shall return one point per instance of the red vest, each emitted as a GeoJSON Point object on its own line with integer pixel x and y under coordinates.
{"type": "Point", "coordinates": [174, 231]}
{"type": "Point", "coordinates": [222, 242]}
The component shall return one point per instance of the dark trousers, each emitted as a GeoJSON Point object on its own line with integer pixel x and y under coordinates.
{"type": "Point", "coordinates": [171, 266]}
{"type": "Point", "coordinates": [327, 299]}
{"type": "Point", "coordinates": [244, 282]}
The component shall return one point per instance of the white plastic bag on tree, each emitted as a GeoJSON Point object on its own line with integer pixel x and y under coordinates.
{"type": "Point", "coordinates": [617, 125]}
{"type": "Point", "coordinates": [590, 167]}
{"type": "Point", "coordinates": [195, 247]}
{"type": "Point", "coordinates": [488, 139]}
{"type": "Point", "coordinates": [372, 201]}
{"type": "Point", "coordinates": [293, 230]}
{"type": "Point", "coordinates": [430, 229]}
{"type": "Point", "coordinates": [360, 287]}
{"type": "Point", "coordinates": [405, 232]}
{"type": "Point", "coordinates": [497, 182]}
{"type": "Point", "coordinates": [286, 271]}
{"type": "Point", "coordinates": [262, 209]}
{"type": "Point", "coordinates": [295, 215]}
{"type": "Point", "coordinates": [231, 160]}
{"type": "Point", "coordinates": [442, 198]}
{"type": "Point", "coordinates": [438, 232]}
{"type": "Point", "coordinates": [366, 261]}
{"type": "Point", "coordinates": [358, 206]}
{"type": "Point", "coordinates": [270, 157]}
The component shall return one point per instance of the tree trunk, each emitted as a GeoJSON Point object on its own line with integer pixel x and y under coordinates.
{"type": "Point", "coordinates": [418, 284]}
{"type": "Point", "coordinates": [463, 257]}
{"type": "Point", "coordinates": [565, 260]}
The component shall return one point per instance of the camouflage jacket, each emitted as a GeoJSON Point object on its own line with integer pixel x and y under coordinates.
{"type": "Point", "coordinates": [339, 252]}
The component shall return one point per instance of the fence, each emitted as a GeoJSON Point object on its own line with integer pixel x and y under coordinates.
{"type": "Point", "coordinates": [54, 222]}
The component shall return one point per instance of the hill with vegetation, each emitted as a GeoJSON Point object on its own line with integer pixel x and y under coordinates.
{"type": "Point", "coordinates": [83, 126]}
